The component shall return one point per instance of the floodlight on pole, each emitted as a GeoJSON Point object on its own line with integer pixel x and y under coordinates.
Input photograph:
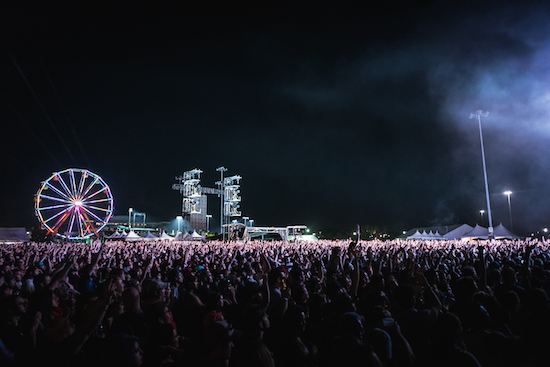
{"type": "Point", "coordinates": [478, 115]}
{"type": "Point", "coordinates": [208, 216]}
{"type": "Point", "coordinates": [509, 194]}
{"type": "Point", "coordinates": [482, 212]}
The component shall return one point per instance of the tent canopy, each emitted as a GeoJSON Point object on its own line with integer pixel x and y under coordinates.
{"type": "Point", "coordinates": [133, 236]}
{"type": "Point", "coordinates": [482, 233]}
{"type": "Point", "coordinates": [13, 235]}
{"type": "Point", "coordinates": [150, 237]}
{"type": "Point", "coordinates": [166, 236]}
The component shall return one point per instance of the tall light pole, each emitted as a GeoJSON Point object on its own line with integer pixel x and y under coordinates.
{"type": "Point", "coordinates": [208, 216]}
{"type": "Point", "coordinates": [130, 218]}
{"type": "Point", "coordinates": [478, 115]}
{"type": "Point", "coordinates": [482, 212]}
{"type": "Point", "coordinates": [509, 193]}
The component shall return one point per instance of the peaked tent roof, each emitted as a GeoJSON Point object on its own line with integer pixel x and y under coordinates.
{"type": "Point", "coordinates": [478, 232]}
{"type": "Point", "coordinates": [447, 232]}
{"type": "Point", "coordinates": [195, 236]}
{"type": "Point", "coordinates": [133, 236]}
{"type": "Point", "coordinates": [415, 235]}
{"type": "Point", "coordinates": [165, 236]}
{"type": "Point", "coordinates": [182, 236]}
{"type": "Point", "coordinates": [458, 232]}
{"type": "Point", "coordinates": [115, 234]}
{"type": "Point", "coordinates": [13, 235]}
{"type": "Point", "coordinates": [501, 232]}
{"type": "Point", "coordinates": [149, 236]}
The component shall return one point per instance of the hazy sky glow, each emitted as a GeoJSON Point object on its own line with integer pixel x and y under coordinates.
{"type": "Point", "coordinates": [331, 118]}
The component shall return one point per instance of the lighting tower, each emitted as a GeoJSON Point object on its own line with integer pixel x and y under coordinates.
{"type": "Point", "coordinates": [190, 188]}
{"type": "Point", "coordinates": [232, 198]}
{"type": "Point", "coordinates": [478, 115]}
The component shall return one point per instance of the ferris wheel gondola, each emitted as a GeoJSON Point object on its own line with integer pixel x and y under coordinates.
{"type": "Point", "coordinates": [74, 204]}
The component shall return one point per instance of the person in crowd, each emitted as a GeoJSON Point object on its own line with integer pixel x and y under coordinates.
{"type": "Point", "coordinates": [293, 304]}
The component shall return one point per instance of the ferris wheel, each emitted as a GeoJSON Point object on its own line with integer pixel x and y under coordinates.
{"type": "Point", "coordinates": [74, 204]}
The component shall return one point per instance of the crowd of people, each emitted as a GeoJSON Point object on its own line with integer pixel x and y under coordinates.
{"type": "Point", "coordinates": [323, 303]}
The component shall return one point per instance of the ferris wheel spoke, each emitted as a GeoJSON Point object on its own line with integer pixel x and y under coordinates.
{"type": "Point", "coordinates": [62, 182]}
{"type": "Point", "coordinates": [54, 207]}
{"type": "Point", "coordinates": [58, 191]}
{"type": "Point", "coordinates": [63, 212]}
{"type": "Point", "coordinates": [72, 181]}
{"type": "Point", "coordinates": [55, 199]}
{"type": "Point", "coordinates": [95, 193]}
{"type": "Point", "coordinates": [83, 177]}
{"type": "Point", "coordinates": [89, 224]}
{"type": "Point", "coordinates": [81, 224]}
{"type": "Point", "coordinates": [98, 208]}
{"type": "Point", "coordinates": [89, 187]}
{"type": "Point", "coordinates": [71, 223]}
{"type": "Point", "coordinates": [94, 215]}
{"type": "Point", "coordinates": [97, 201]}
{"type": "Point", "coordinates": [61, 220]}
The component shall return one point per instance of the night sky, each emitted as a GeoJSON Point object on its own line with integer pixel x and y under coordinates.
{"type": "Point", "coordinates": [333, 117]}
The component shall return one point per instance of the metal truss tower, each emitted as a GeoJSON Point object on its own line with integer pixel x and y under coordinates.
{"type": "Point", "coordinates": [194, 204]}
{"type": "Point", "coordinates": [190, 188]}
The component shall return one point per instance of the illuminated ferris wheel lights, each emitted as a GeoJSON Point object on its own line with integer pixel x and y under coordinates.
{"type": "Point", "coordinates": [79, 204]}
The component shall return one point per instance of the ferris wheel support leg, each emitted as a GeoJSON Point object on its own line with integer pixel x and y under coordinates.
{"type": "Point", "coordinates": [88, 221]}
{"type": "Point", "coordinates": [59, 223]}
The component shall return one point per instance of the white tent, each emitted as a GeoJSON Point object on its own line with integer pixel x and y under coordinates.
{"type": "Point", "coordinates": [500, 232]}
{"type": "Point", "coordinates": [150, 237]}
{"type": "Point", "coordinates": [166, 237]}
{"type": "Point", "coordinates": [182, 236]}
{"type": "Point", "coordinates": [133, 236]}
{"type": "Point", "coordinates": [457, 232]}
{"type": "Point", "coordinates": [415, 236]}
{"type": "Point", "coordinates": [116, 235]}
{"type": "Point", "coordinates": [196, 237]}
{"type": "Point", "coordinates": [448, 232]}
{"type": "Point", "coordinates": [478, 233]}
